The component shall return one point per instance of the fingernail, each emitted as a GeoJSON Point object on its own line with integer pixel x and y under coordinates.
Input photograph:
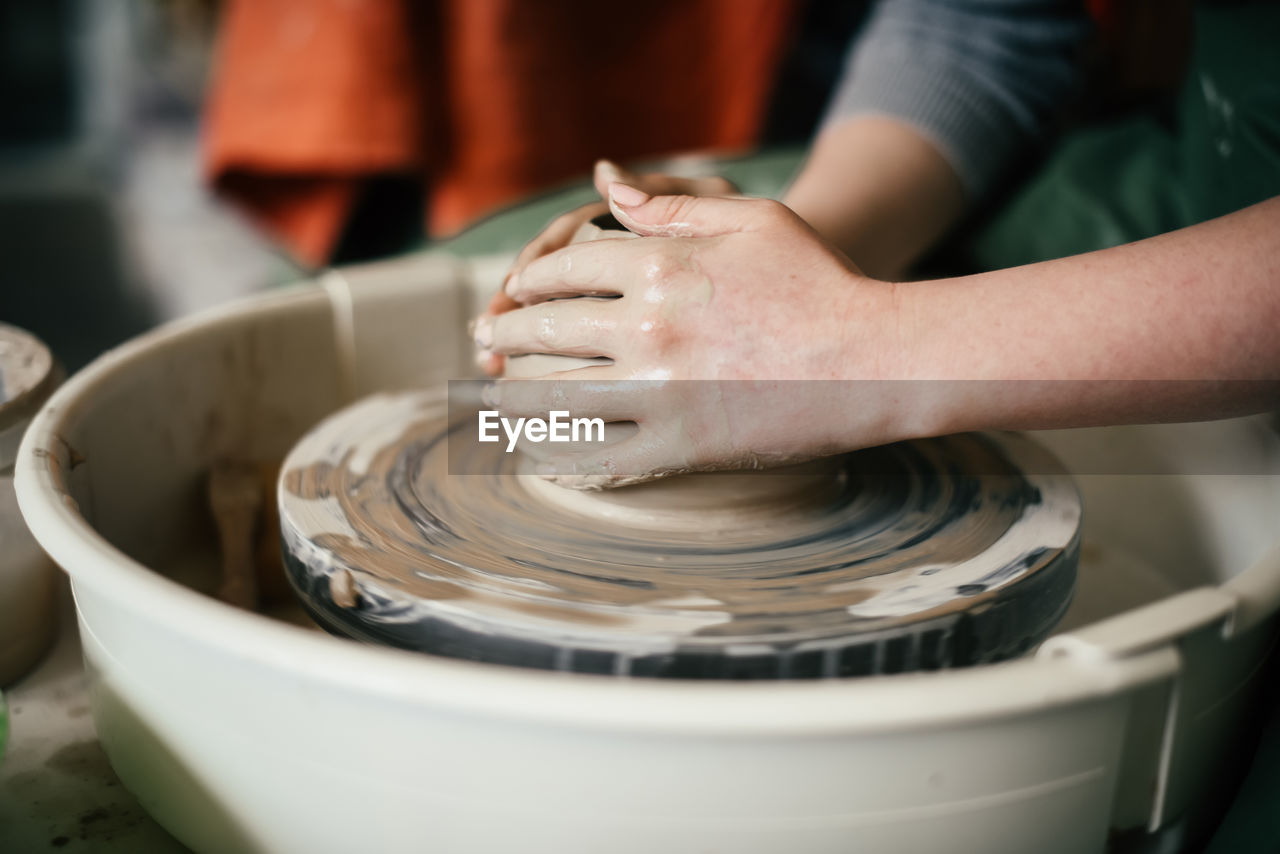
{"type": "Point", "coordinates": [483, 355]}
{"type": "Point", "coordinates": [509, 281]}
{"type": "Point", "coordinates": [624, 195]}
{"type": "Point", "coordinates": [491, 395]}
{"type": "Point", "coordinates": [482, 332]}
{"type": "Point", "coordinates": [608, 170]}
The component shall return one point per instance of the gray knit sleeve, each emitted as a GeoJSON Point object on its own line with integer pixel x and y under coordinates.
{"type": "Point", "coordinates": [979, 78]}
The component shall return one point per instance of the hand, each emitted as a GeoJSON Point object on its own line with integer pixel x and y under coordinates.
{"type": "Point", "coordinates": [560, 231]}
{"type": "Point", "coordinates": [739, 294]}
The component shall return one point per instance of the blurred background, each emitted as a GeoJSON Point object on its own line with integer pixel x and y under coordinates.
{"type": "Point", "coordinates": [162, 156]}
{"type": "Point", "coordinates": [106, 227]}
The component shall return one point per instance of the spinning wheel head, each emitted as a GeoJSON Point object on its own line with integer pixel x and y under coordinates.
{"type": "Point", "coordinates": [920, 555]}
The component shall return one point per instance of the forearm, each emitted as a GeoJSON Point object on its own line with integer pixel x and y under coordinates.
{"type": "Point", "coordinates": [938, 99]}
{"type": "Point", "coordinates": [1181, 326]}
{"type": "Point", "coordinates": [879, 191]}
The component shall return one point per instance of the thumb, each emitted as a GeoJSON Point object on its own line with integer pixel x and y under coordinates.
{"type": "Point", "coordinates": [687, 216]}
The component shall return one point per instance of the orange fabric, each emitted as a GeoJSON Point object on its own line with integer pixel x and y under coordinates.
{"type": "Point", "coordinates": [485, 100]}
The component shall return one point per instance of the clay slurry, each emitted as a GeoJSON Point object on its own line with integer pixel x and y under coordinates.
{"type": "Point", "coordinates": [934, 553]}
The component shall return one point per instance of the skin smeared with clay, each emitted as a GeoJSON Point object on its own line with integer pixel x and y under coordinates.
{"type": "Point", "coordinates": [1177, 327]}
{"type": "Point", "coordinates": [621, 301]}
{"type": "Point", "coordinates": [658, 281]}
{"type": "Point", "coordinates": [570, 227]}
{"type": "Point", "coordinates": [598, 325]}
{"type": "Point", "coordinates": [805, 557]}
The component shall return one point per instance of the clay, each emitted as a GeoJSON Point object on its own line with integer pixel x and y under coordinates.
{"type": "Point", "coordinates": [235, 500]}
{"type": "Point", "coordinates": [26, 366]}
{"type": "Point", "coordinates": [247, 520]}
{"type": "Point", "coordinates": [856, 544]}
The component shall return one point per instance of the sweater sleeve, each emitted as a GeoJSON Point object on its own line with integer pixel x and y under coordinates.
{"type": "Point", "coordinates": [981, 79]}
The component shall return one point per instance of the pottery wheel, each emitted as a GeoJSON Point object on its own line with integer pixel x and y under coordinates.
{"type": "Point", "coordinates": [920, 555]}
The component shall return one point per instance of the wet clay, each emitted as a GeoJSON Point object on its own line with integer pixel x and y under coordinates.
{"type": "Point", "coordinates": [236, 500]}
{"type": "Point", "coordinates": [925, 554]}
{"type": "Point", "coordinates": [245, 516]}
{"type": "Point", "coordinates": [25, 364]}
{"type": "Point", "coordinates": [382, 543]}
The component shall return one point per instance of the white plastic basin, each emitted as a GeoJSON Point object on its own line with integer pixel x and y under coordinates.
{"type": "Point", "coordinates": [239, 732]}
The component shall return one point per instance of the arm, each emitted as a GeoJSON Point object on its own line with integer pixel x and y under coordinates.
{"type": "Point", "coordinates": [879, 191]}
{"type": "Point", "coordinates": [939, 98]}
{"type": "Point", "coordinates": [732, 290]}
{"type": "Point", "coordinates": [1183, 326]}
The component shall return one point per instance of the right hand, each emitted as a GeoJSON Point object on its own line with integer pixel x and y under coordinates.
{"type": "Point", "coordinates": [735, 337]}
{"type": "Point", "coordinates": [560, 231]}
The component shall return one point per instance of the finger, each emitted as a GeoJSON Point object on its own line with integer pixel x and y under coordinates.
{"type": "Point", "coordinates": [557, 234]}
{"type": "Point", "coordinates": [501, 304]}
{"type": "Point", "coordinates": [597, 268]}
{"type": "Point", "coordinates": [482, 334]}
{"type": "Point", "coordinates": [490, 362]}
{"type": "Point", "coordinates": [610, 400]}
{"type": "Point", "coordinates": [580, 327]}
{"type": "Point", "coordinates": [692, 216]}
{"type": "Point", "coordinates": [530, 366]}
{"type": "Point", "coordinates": [607, 172]}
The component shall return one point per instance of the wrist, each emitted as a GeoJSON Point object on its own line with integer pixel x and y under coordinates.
{"type": "Point", "coordinates": [876, 398]}
{"type": "Point", "coordinates": [922, 351]}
